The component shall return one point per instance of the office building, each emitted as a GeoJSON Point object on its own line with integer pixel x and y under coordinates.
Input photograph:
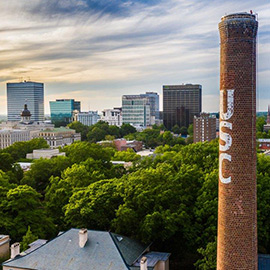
{"type": "Point", "coordinates": [88, 118]}
{"type": "Point", "coordinates": [62, 110]}
{"type": "Point", "coordinates": [204, 128]}
{"type": "Point", "coordinates": [237, 203]}
{"type": "Point", "coordinates": [180, 104]}
{"type": "Point", "coordinates": [136, 110]}
{"type": "Point", "coordinates": [8, 137]}
{"type": "Point", "coordinates": [154, 104]}
{"type": "Point", "coordinates": [112, 116]}
{"type": "Point", "coordinates": [31, 93]}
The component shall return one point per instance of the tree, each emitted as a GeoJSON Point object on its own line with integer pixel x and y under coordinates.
{"type": "Point", "coordinates": [114, 131]}
{"type": "Point", "coordinates": [94, 206]}
{"type": "Point", "coordinates": [27, 239]}
{"type": "Point", "coordinates": [209, 260]}
{"type": "Point", "coordinates": [260, 123]}
{"type": "Point", "coordinates": [80, 128]}
{"type": "Point", "coordinates": [128, 155]}
{"type": "Point", "coordinates": [96, 134]}
{"type": "Point", "coordinates": [176, 129]}
{"type": "Point", "coordinates": [42, 169]}
{"type": "Point", "coordinates": [19, 150]}
{"type": "Point", "coordinates": [81, 151]}
{"type": "Point", "coordinates": [6, 162]}
{"type": "Point", "coordinates": [183, 131]}
{"type": "Point", "coordinates": [126, 129]}
{"type": "Point", "coordinates": [190, 129]}
{"type": "Point", "coordinates": [22, 208]}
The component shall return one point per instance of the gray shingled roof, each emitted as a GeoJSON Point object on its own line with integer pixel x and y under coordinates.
{"type": "Point", "coordinates": [63, 253]}
{"type": "Point", "coordinates": [153, 258]}
{"type": "Point", "coordinates": [130, 249]}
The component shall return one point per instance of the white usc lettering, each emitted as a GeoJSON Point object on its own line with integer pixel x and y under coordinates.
{"type": "Point", "coordinates": [225, 137]}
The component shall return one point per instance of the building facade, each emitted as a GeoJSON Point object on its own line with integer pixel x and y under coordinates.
{"type": "Point", "coordinates": [26, 124]}
{"type": "Point", "coordinates": [136, 110]}
{"type": "Point", "coordinates": [60, 137]}
{"type": "Point", "coordinates": [88, 118]}
{"type": "Point", "coordinates": [180, 104]}
{"type": "Point", "coordinates": [266, 127]}
{"type": "Point", "coordinates": [237, 205]}
{"type": "Point", "coordinates": [112, 116]}
{"type": "Point", "coordinates": [31, 93]}
{"type": "Point", "coordinates": [62, 110]}
{"type": "Point", "coordinates": [8, 137]}
{"type": "Point", "coordinates": [204, 128]}
{"type": "Point", "coordinates": [4, 247]}
{"type": "Point", "coordinates": [153, 98]}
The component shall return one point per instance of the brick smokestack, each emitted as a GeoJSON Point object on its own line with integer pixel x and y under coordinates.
{"type": "Point", "coordinates": [237, 206]}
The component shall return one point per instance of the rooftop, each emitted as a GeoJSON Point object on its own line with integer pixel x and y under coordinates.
{"type": "Point", "coordinates": [103, 251]}
{"type": "Point", "coordinates": [55, 130]}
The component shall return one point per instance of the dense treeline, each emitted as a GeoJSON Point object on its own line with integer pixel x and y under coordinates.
{"type": "Point", "coordinates": [156, 136]}
{"type": "Point", "coordinates": [169, 199]}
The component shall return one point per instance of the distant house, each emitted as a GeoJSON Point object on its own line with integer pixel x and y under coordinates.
{"type": "Point", "coordinates": [87, 249]}
{"type": "Point", "coordinates": [4, 247]}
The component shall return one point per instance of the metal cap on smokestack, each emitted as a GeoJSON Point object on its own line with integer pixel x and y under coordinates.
{"type": "Point", "coordinates": [237, 202]}
{"type": "Point", "coordinates": [83, 236]}
{"type": "Point", "coordinates": [15, 250]}
{"type": "Point", "coordinates": [143, 263]}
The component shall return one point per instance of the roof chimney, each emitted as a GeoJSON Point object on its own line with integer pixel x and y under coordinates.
{"type": "Point", "coordinates": [15, 250]}
{"type": "Point", "coordinates": [82, 237]}
{"type": "Point", "coordinates": [143, 263]}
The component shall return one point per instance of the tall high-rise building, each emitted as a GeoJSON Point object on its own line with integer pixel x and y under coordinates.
{"type": "Point", "coordinates": [30, 93]}
{"type": "Point", "coordinates": [153, 98]}
{"type": "Point", "coordinates": [204, 128]}
{"type": "Point", "coordinates": [180, 104]}
{"type": "Point", "coordinates": [62, 110]}
{"type": "Point", "coordinates": [136, 110]}
{"type": "Point", "coordinates": [237, 207]}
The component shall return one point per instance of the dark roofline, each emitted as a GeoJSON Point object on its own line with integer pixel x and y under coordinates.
{"type": "Point", "coordinates": [128, 266]}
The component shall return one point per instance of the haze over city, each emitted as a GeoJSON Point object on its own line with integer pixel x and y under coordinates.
{"type": "Point", "coordinates": [97, 51]}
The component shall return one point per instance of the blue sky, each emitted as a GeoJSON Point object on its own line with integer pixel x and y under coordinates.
{"type": "Point", "coordinates": [98, 50]}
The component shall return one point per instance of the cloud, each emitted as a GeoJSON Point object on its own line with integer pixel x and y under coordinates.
{"type": "Point", "coordinates": [110, 48]}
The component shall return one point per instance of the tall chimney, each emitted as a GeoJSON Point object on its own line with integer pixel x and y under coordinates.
{"type": "Point", "coordinates": [83, 236]}
{"type": "Point", "coordinates": [15, 250]}
{"type": "Point", "coordinates": [143, 263]}
{"type": "Point", "coordinates": [237, 216]}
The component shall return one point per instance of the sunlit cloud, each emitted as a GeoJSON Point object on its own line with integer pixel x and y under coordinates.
{"type": "Point", "coordinates": [98, 50]}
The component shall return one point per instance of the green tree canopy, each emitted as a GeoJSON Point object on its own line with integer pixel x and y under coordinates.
{"type": "Point", "coordinates": [80, 128]}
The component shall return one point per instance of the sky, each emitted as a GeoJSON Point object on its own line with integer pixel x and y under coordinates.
{"type": "Point", "coordinates": [96, 51]}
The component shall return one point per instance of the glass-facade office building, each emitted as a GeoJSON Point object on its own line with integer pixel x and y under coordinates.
{"type": "Point", "coordinates": [30, 93]}
{"type": "Point", "coordinates": [154, 103]}
{"type": "Point", "coordinates": [62, 110]}
{"type": "Point", "coordinates": [136, 110]}
{"type": "Point", "coordinates": [180, 104]}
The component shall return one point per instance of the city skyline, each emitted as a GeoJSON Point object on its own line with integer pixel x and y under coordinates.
{"type": "Point", "coordinates": [97, 51]}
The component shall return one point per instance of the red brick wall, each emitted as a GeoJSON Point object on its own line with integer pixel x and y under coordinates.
{"type": "Point", "coordinates": [237, 214]}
